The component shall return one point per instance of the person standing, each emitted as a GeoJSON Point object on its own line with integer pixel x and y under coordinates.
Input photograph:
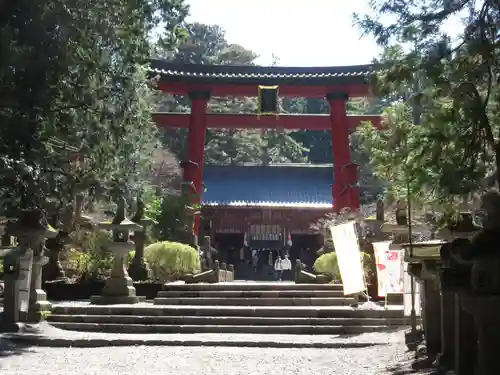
{"type": "Point", "coordinates": [278, 269]}
{"type": "Point", "coordinates": [286, 267]}
{"type": "Point", "coordinates": [255, 260]}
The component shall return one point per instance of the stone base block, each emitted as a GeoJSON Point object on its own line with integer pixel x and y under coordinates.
{"type": "Point", "coordinates": [116, 300]}
{"type": "Point", "coordinates": [9, 327]}
{"type": "Point", "coordinates": [39, 307]}
{"type": "Point", "coordinates": [40, 312]}
{"type": "Point", "coordinates": [118, 290]}
{"type": "Point", "coordinates": [119, 286]}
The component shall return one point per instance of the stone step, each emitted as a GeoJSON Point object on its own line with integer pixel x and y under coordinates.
{"type": "Point", "coordinates": [242, 285]}
{"type": "Point", "coordinates": [286, 301]}
{"type": "Point", "coordinates": [146, 309]}
{"type": "Point", "coordinates": [164, 328]}
{"type": "Point", "coordinates": [225, 320]}
{"type": "Point", "coordinates": [250, 293]}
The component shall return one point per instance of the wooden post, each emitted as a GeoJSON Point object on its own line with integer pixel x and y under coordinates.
{"type": "Point", "coordinates": [345, 192]}
{"type": "Point", "coordinates": [196, 147]}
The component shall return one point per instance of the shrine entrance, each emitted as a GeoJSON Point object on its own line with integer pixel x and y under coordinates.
{"type": "Point", "coordinates": [201, 82]}
{"type": "Point", "coordinates": [304, 247]}
{"type": "Point", "coordinates": [228, 245]}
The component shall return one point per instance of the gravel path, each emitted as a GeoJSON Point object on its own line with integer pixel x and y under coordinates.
{"type": "Point", "coordinates": [384, 359]}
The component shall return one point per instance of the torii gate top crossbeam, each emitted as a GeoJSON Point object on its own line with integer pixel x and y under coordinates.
{"type": "Point", "coordinates": [229, 80]}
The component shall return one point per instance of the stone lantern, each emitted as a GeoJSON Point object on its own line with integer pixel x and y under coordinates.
{"type": "Point", "coordinates": [25, 298]}
{"type": "Point", "coordinates": [482, 300]}
{"type": "Point", "coordinates": [139, 268]}
{"type": "Point", "coordinates": [119, 288]}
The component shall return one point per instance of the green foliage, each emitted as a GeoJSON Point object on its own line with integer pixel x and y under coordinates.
{"type": "Point", "coordinates": [74, 87]}
{"type": "Point", "coordinates": [429, 158]}
{"type": "Point", "coordinates": [327, 264]}
{"type": "Point", "coordinates": [451, 82]}
{"type": "Point", "coordinates": [89, 258]}
{"type": "Point", "coordinates": [171, 216]}
{"type": "Point", "coordinates": [154, 208]}
{"type": "Point", "coordinates": [171, 260]}
{"type": "Point", "coordinates": [207, 44]}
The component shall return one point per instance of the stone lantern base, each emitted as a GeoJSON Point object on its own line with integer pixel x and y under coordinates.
{"type": "Point", "coordinates": [117, 290]}
{"type": "Point", "coordinates": [39, 307]}
{"type": "Point", "coordinates": [486, 310]}
{"type": "Point", "coordinates": [116, 300]}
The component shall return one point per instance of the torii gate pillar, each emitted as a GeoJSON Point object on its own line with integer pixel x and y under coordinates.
{"type": "Point", "coordinates": [345, 190]}
{"type": "Point", "coordinates": [193, 169]}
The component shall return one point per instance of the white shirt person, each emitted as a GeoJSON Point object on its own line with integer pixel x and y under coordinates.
{"type": "Point", "coordinates": [278, 268]}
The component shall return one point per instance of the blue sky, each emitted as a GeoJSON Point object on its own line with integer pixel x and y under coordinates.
{"type": "Point", "coordinates": [300, 33]}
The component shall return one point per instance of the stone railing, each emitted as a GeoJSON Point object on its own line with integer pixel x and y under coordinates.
{"type": "Point", "coordinates": [303, 277]}
{"type": "Point", "coordinates": [219, 273]}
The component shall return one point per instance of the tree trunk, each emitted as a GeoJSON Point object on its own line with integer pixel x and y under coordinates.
{"type": "Point", "coordinates": [497, 163]}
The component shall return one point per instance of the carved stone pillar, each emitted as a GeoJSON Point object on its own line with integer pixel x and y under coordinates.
{"type": "Point", "coordinates": [38, 304]}
{"type": "Point", "coordinates": [484, 305]}
{"type": "Point", "coordinates": [17, 278]}
{"type": "Point", "coordinates": [466, 347]}
{"type": "Point", "coordinates": [139, 268]}
{"type": "Point", "coordinates": [447, 353]}
{"type": "Point", "coordinates": [53, 270]}
{"type": "Point", "coordinates": [432, 317]}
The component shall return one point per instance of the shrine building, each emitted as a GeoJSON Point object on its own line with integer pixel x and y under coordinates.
{"type": "Point", "coordinates": [269, 205]}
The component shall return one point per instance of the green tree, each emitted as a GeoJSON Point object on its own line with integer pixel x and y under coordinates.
{"type": "Point", "coordinates": [452, 81]}
{"type": "Point", "coordinates": [206, 44]}
{"type": "Point", "coordinates": [71, 78]}
{"type": "Point", "coordinates": [280, 147]}
{"type": "Point", "coordinates": [234, 147]}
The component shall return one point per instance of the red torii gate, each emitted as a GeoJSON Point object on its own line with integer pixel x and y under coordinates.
{"type": "Point", "coordinates": [200, 82]}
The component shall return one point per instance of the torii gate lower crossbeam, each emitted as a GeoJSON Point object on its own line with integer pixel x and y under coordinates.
{"type": "Point", "coordinates": [345, 192]}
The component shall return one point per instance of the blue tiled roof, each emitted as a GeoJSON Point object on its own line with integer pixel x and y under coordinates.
{"type": "Point", "coordinates": [289, 185]}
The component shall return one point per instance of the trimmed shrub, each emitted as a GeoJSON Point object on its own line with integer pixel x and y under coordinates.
{"type": "Point", "coordinates": [327, 264]}
{"type": "Point", "coordinates": [171, 260]}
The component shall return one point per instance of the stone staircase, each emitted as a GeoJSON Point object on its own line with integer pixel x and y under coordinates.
{"type": "Point", "coordinates": [233, 307]}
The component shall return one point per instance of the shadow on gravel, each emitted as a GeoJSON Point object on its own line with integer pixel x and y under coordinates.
{"type": "Point", "coordinates": [385, 331]}
{"type": "Point", "coordinates": [53, 342]}
{"type": "Point", "coordinates": [420, 367]}
{"type": "Point", "coordinates": [9, 349]}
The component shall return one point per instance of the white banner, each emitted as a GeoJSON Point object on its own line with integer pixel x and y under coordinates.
{"type": "Point", "coordinates": [389, 269]}
{"type": "Point", "coordinates": [345, 241]}
{"type": "Point", "coordinates": [407, 280]}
